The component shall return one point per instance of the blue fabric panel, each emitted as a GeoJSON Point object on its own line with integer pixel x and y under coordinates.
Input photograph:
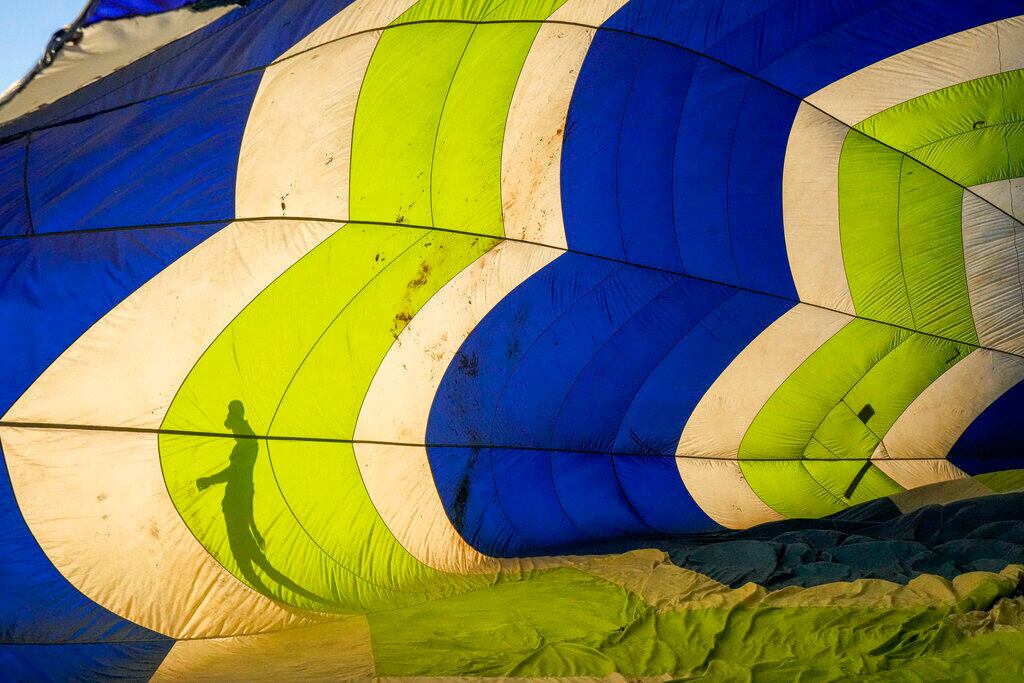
{"type": "Point", "coordinates": [526, 410]}
{"type": "Point", "coordinates": [755, 190]}
{"type": "Point", "coordinates": [118, 9]}
{"type": "Point", "coordinates": [995, 440]}
{"type": "Point", "coordinates": [463, 409]}
{"type": "Point", "coordinates": [591, 144]}
{"type": "Point", "coordinates": [245, 39]}
{"type": "Point", "coordinates": [14, 218]}
{"type": "Point", "coordinates": [83, 662]}
{"type": "Point", "coordinates": [622, 355]}
{"type": "Point", "coordinates": [701, 172]}
{"type": "Point", "coordinates": [694, 24]}
{"type": "Point", "coordinates": [807, 65]}
{"type": "Point", "coordinates": [652, 117]}
{"type": "Point", "coordinates": [803, 45]}
{"type": "Point", "coordinates": [674, 388]}
{"type": "Point", "coordinates": [168, 160]}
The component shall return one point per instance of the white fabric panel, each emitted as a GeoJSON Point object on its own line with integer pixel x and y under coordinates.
{"type": "Point", "coordinates": [911, 474]}
{"type": "Point", "coordinates": [720, 489]}
{"type": "Point", "coordinates": [398, 478]}
{"type": "Point", "coordinates": [589, 12]}
{"type": "Point", "coordinates": [104, 48]}
{"type": "Point", "coordinates": [531, 191]}
{"type": "Point", "coordinates": [1008, 195]}
{"type": "Point", "coordinates": [974, 53]}
{"type": "Point", "coordinates": [295, 159]}
{"type": "Point", "coordinates": [340, 650]}
{"type": "Point", "coordinates": [931, 425]}
{"type": "Point", "coordinates": [992, 243]}
{"type": "Point", "coordinates": [97, 504]}
{"type": "Point", "coordinates": [723, 415]}
{"type": "Point", "coordinates": [810, 207]}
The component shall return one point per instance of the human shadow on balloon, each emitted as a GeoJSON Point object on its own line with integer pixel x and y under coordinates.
{"type": "Point", "coordinates": [244, 538]}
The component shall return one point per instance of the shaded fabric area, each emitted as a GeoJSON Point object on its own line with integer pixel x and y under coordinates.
{"type": "Point", "coordinates": [872, 540]}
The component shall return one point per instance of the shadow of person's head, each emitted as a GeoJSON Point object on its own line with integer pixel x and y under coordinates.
{"type": "Point", "coordinates": [235, 421]}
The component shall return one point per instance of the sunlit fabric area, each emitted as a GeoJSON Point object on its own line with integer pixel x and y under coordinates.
{"type": "Point", "coordinates": [589, 340]}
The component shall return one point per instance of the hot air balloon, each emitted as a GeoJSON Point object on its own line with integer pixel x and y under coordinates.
{"type": "Point", "coordinates": [578, 339]}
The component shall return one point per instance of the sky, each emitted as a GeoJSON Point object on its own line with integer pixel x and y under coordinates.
{"type": "Point", "coordinates": [25, 29]}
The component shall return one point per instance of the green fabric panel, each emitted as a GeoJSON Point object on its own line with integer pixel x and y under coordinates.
{"type": "Point", "coordinates": [1002, 481]}
{"type": "Point", "coordinates": [348, 558]}
{"type": "Point", "coordinates": [813, 418]}
{"type": "Point", "coordinates": [274, 326]}
{"type": "Point", "coordinates": [397, 117]}
{"type": "Point", "coordinates": [793, 414]}
{"type": "Point", "coordinates": [900, 226]}
{"type": "Point", "coordinates": [931, 244]}
{"type": "Point", "coordinates": [869, 179]}
{"type": "Point", "coordinates": [970, 132]}
{"type": "Point", "coordinates": [480, 10]}
{"type": "Point", "coordinates": [567, 622]}
{"type": "Point", "coordinates": [466, 176]}
{"type": "Point", "coordinates": [351, 348]}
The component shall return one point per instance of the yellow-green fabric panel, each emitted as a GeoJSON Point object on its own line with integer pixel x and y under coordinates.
{"type": "Point", "coordinates": [325, 395]}
{"type": "Point", "coordinates": [322, 534]}
{"type": "Point", "coordinates": [466, 173]}
{"type": "Point", "coordinates": [397, 117]}
{"type": "Point", "coordinates": [568, 622]}
{"type": "Point", "coordinates": [869, 178]}
{"type": "Point", "coordinates": [971, 132]}
{"type": "Point", "coordinates": [480, 10]}
{"type": "Point", "coordinates": [837, 406]}
{"type": "Point", "coordinates": [900, 227]}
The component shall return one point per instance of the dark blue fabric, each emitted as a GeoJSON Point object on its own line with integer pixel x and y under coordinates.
{"type": "Point", "coordinates": [168, 160]}
{"type": "Point", "coordinates": [119, 9]}
{"type": "Point", "coordinates": [872, 540]}
{"type": "Point", "coordinates": [245, 39]}
{"type": "Point", "coordinates": [803, 45]}
{"type": "Point", "coordinates": [585, 359]}
{"type": "Point", "coordinates": [14, 219]}
{"type": "Point", "coordinates": [995, 440]}
{"type": "Point", "coordinates": [82, 662]}
{"type": "Point", "coordinates": [677, 164]}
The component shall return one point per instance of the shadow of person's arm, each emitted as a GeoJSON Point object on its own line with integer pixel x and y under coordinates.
{"type": "Point", "coordinates": [222, 477]}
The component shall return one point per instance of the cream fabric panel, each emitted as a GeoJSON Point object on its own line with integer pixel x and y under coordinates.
{"type": "Point", "coordinates": [992, 244]}
{"type": "Point", "coordinates": [931, 425]}
{"type": "Point", "coordinates": [98, 506]}
{"type": "Point", "coordinates": [810, 207]}
{"type": "Point", "coordinates": [339, 650]}
{"type": "Point", "coordinates": [720, 489]}
{"type": "Point", "coordinates": [974, 53]}
{"type": "Point", "coordinates": [1008, 195]}
{"type": "Point", "coordinates": [531, 190]}
{"type": "Point", "coordinates": [295, 159]}
{"type": "Point", "coordinates": [104, 48]}
{"type": "Point", "coordinates": [398, 478]}
{"type": "Point", "coordinates": [709, 446]}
